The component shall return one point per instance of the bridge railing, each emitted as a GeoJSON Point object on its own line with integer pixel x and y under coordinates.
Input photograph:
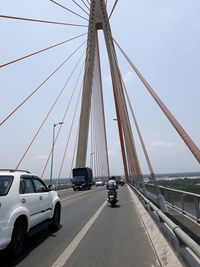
{"type": "Point", "coordinates": [187, 203]}
{"type": "Point", "coordinates": [187, 249]}
{"type": "Point", "coordinates": [62, 186]}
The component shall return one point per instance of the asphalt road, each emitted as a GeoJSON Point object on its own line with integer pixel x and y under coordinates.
{"type": "Point", "coordinates": [92, 234]}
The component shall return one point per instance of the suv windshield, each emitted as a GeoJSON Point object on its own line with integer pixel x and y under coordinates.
{"type": "Point", "coordinates": [5, 184]}
{"type": "Point", "coordinates": [79, 179]}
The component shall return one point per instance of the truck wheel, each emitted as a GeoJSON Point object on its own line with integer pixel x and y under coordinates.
{"type": "Point", "coordinates": [56, 218]}
{"type": "Point", "coordinates": [18, 239]}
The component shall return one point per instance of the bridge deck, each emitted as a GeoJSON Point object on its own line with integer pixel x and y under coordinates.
{"type": "Point", "coordinates": [117, 238]}
{"type": "Point", "coordinates": [120, 236]}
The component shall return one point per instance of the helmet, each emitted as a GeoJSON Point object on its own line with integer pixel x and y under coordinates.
{"type": "Point", "coordinates": [112, 178]}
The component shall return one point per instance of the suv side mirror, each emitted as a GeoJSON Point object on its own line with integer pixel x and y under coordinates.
{"type": "Point", "coordinates": [51, 187]}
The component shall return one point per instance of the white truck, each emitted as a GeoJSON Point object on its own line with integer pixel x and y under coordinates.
{"type": "Point", "coordinates": [25, 202]}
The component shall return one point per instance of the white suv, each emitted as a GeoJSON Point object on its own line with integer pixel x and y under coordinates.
{"type": "Point", "coordinates": [25, 201]}
{"type": "Point", "coordinates": [99, 182]}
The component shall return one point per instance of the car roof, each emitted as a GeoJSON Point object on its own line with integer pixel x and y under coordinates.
{"type": "Point", "coordinates": [12, 171]}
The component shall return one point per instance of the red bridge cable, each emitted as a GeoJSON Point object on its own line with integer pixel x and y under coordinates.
{"type": "Point", "coordinates": [80, 7]}
{"type": "Point", "coordinates": [89, 3]}
{"type": "Point", "coordinates": [98, 136]}
{"type": "Point", "coordinates": [67, 9]}
{"type": "Point", "coordinates": [93, 143]}
{"type": "Point", "coordinates": [142, 143]}
{"type": "Point", "coordinates": [91, 139]}
{"type": "Point", "coordinates": [130, 149]}
{"type": "Point", "coordinates": [71, 127]}
{"type": "Point", "coordinates": [96, 165]}
{"type": "Point", "coordinates": [71, 124]}
{"type": "Point", "coordinates": [43, 21]}
{"type": "Point", "coordinates": [138, 131]}
{"type": "Point", "coordinates": [186, 138]}
{"type": "Point", "coordinates": [39, 51]}
{"type": "Point", "coordinates": [45, 166]}
{"type": "Point", "coordinates": [46, 117]}
{"type": "Point", "coordinates": [63, 119]}
{"type": "Point", "coordinates": [104, 137]}
{"type": "Point", "coordinates": [36, 134]}
{"type": "Point", "coordinates": [94, 134]}
{"type": "Point", "coordinates": [74, 152]}
{"type": "Point", "coordinates": [97, 120]}
{"type": "Point", "coordinates": [34, 91]}
{"type": "Point", "coordinates": [85, 4]}
{"type": "Point", "coordinates": [113, 8]}
{"type": "Point", "coordinates": [95, 151]}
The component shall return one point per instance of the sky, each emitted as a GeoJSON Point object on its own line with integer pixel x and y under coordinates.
{"type": "Point", "coordinates": [162, 38]}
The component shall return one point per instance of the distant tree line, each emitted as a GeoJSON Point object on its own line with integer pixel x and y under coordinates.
{"type": "Point", "coordinates": [189, 185]}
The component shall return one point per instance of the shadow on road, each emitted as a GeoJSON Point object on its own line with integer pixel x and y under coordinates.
{"type": "Point", "coordinates": [115, 206]}
{"type": "Point", "coordinates": [42, 234]}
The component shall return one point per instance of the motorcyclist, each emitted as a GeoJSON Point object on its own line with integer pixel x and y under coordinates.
{"type": "Point", "coordinates": [112, 185]}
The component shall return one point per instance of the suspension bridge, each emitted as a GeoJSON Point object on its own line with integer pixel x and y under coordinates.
{"type": "Point", "coordinates": [65, 91]}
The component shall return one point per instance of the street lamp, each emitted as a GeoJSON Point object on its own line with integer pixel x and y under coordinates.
{"type": "Point", "coordinates": [52, 150]}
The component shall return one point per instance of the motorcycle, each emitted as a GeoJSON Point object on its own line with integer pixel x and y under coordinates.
{"type": "Point", "coordinates": [112, 197]}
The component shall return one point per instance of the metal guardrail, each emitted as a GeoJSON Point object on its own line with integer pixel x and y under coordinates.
{"type": "Point", "coordinates": [187, 203]}
{"type": "Point", "coordinates": [62, 186]}
{"type": "Point", "coordinates": [182, 239]}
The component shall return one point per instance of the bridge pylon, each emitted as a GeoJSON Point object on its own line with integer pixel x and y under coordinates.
{"type": "Point", "coordinates": [99, 20]}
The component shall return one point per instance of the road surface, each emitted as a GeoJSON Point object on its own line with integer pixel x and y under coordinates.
{"type": "Point", "coordinates": [92, 234]}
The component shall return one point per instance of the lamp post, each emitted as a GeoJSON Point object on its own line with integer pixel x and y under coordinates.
{"type": "Point", "coordinates": [52, 150]}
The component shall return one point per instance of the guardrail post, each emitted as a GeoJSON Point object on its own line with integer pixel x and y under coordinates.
{"type": "Point", "coordinates": [173, 196]}
{"type": "Point", "coordinates": [162, 203]}
{"type": "Point", "coordinates": [197, 210]}
{"type": "Point", "coordinates": [182, 203]}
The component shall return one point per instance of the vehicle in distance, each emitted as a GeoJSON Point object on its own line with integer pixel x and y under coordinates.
{"type": "Point", "coordinates": [121, 182]}
{"type": "Point", "coordinates": [82, 178]}
{"type": "Point", "coordinates": [25, 202]}
{"type": "Point", "coordinates": [99, 182]}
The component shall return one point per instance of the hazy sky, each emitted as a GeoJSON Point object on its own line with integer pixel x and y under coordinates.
{"type": "Point", "coordinates": [162, 38]}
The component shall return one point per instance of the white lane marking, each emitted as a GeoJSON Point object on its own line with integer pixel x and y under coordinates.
{"type": "Point", "coordinates": [62, 259]}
